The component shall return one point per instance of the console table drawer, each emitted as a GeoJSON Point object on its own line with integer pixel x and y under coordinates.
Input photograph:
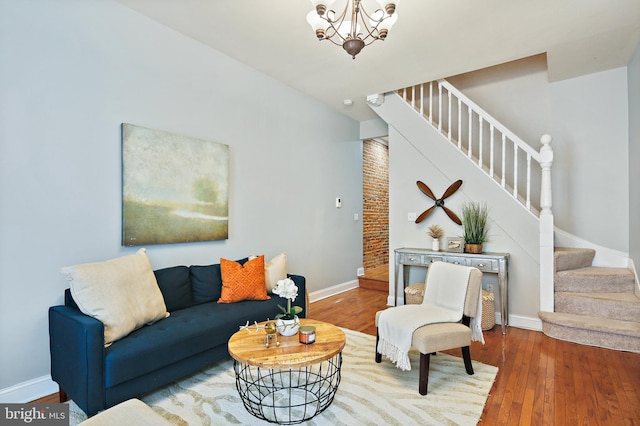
{"type": "Point", "coordinates": [456, 260]}
{"type": "Point", "coordinates": [412, 259]}
{"type": "Point", "coordinates": [431, 259]}
{"type": "Point", "coordinates": [486, 265]}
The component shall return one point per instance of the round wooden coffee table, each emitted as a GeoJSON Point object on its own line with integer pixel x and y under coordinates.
{"type": "Point", "coordinates": [292, 382]}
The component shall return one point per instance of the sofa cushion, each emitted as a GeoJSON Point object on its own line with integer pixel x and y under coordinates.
{"type": "Point", "coordinates": [274, 271]}
{"type": "Point", "coordinates": [185, 333]}
{"type": "Point", "coordinates": [243, 282]}
{"type": "Point", "coordinates": [175, 285]}
{"type": "Point", "coordinates": [122, 293]}
{"type": "Point", "coordinates": [206, 282]}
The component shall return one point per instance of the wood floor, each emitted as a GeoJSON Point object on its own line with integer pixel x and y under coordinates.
{"type": "Point", "coordinates": [541, 381]}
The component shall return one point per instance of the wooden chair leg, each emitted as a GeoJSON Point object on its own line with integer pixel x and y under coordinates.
{"type": "Point", "coordinates": [466, 355]}
{"type": "Point", "coordinates": [62, 395]}
{"type": "Point", "coordinates": [424, 373]}
{"type": "Point", "coordinates": [378, 354]}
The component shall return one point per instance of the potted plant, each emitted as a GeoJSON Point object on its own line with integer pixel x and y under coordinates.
{"type": "Point", "coordinates": [436, 232]}
{"type": "Point", "coordinates": [475, 224]}
{"type": "Point", "coordinates": [287, 323]}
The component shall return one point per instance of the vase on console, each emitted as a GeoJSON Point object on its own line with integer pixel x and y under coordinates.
{"type": "Point", "coordinates": [436, 232]}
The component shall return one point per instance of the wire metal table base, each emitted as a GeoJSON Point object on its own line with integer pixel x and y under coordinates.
{"type": "Point", "coordinates": [288, 396]}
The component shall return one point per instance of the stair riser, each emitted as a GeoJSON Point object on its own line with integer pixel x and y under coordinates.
{"type": "Point", "coordinates": [586, 284]}
{"type": "Point", "coordinates": [567, 260]}
{"type": "Point", "coordinates": [623, 311]}
{"type": "Point", "coordinates": [592, 338]}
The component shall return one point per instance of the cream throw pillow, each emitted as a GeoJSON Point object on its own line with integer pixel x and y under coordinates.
{"type": "Point", "coordinates": [274, 271]}
{"type": "Point", "coordinates": [122, 293]}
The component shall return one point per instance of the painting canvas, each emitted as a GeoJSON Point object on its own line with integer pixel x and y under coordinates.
{"type": "Point", "coordinates": [175, 188]}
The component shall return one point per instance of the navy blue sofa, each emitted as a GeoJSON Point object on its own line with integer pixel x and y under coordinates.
{"type": "Point", "coordinates": [193, 337]}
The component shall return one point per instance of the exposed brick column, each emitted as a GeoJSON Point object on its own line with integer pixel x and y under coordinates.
{"type": "Point", "coordinates": [375, 193]}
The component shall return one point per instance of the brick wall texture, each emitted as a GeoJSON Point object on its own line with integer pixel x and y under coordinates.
{"type": "Point", "coordinates": [375, 193]}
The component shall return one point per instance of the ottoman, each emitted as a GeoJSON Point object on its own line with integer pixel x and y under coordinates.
{"type": "Point", "coordinates": [132, 412]}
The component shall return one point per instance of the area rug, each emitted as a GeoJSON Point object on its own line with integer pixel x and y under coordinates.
{"type": "Point", "coordinates": [369, 393]}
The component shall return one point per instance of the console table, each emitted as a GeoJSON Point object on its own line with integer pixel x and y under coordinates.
{"type": "Point", "coordinates": [493, 263]}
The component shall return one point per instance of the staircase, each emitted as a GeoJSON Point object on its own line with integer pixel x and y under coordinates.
{"type": "Point", "coordinates": [593, 305]}
{"type": "Point", "coordinates": [578, 302]}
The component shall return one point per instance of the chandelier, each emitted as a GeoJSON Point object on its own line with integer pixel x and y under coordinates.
{"type": "Point", "coordinates": [353, 28]}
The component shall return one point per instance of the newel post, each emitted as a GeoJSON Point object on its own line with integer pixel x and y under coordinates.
{"type": "Point", "coordinates": [547, 269]}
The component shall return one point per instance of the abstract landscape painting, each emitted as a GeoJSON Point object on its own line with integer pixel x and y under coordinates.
{"type": "Point", "coordinates": [175, 188]}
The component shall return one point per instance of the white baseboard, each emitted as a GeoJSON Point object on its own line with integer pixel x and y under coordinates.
{"type": "Point", "coordinates": [332, 291]}
{"type": "Point", "coordinates": [518, 321]}
{"type": "Point", "coordinates": [28, 391]}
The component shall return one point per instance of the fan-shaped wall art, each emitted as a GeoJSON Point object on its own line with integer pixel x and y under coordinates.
{"type": "Point", "coordinates": [439, 201]}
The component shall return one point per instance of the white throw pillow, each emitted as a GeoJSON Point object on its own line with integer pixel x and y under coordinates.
{"type": "Point", "coordinates": [274, 271]}
{"type": "Point", "coordinates": [122, 293]}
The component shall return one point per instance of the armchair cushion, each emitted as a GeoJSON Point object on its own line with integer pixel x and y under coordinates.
{"type": "Point", "coordinates": [440, 337]}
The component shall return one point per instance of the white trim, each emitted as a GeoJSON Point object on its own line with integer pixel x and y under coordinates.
{"type": "Point", "coordinates": [518, 321]}
{"type": "Point", "coordinates": [632, 266]}
{"type": "Point", "coordinates": [332, 291]}
{"type": "Point", "coordinates": [390, 301]}
{"type": "Point", "coordinates": [29, 391]}
{"type": "Point", "coordinates": [604, 256]}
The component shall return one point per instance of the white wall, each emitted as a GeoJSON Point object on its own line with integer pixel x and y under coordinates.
{"type": "Point", "coordinates": [72, 71]}
{"type": "Point", "coordinates": [588, 119]}
{"type": "Point", "coordinates": [633, 76]}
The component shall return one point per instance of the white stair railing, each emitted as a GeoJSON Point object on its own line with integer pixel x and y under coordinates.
{"type": "Point", "coordinates": [501, 154]}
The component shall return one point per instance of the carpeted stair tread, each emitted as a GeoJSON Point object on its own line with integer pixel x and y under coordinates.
{"type": "Point", "coordinates": [595, 279]}
{"type": "Point", "coordinates": [620, 306]}
{"type": "Point", "coordinates": [567, 258]}
{"type": "Point", "coordinates": [586, 330]}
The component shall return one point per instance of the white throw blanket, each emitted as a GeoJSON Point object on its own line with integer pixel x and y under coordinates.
{"type": "Point", "coordinates": [443, 301]}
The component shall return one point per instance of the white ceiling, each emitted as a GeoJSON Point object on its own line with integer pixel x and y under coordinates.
{"type": "Point", "coordinates": [432, 39]}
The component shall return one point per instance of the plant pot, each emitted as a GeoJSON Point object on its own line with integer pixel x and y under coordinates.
{"type": "Point", "coordinates": [473, 248]}
{"type": "Point", "coordinates": [435, 244]}
{"type": "Point", "coordinates": [288, 327]}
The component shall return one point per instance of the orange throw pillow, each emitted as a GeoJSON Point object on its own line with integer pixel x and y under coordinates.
{"type": "Point", "coordinates": [243, 282]}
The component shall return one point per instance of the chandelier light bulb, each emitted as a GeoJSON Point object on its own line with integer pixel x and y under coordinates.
{"type": "Point", "coordinates": [386, 25]}
{"type": "Point", "coordinates": [318, 24]}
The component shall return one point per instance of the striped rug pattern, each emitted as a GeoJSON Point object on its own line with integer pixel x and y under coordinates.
{"type": "Point", "coordinates": [369, 393]}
